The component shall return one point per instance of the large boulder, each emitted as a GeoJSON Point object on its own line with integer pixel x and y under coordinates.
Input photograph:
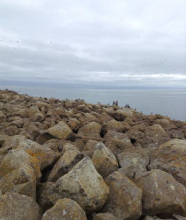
{"type": "Point", "coordinates": [171, 157]}
{"type": "Point", "coordinates": [21, 180]}
{"type": "Point", "coordinates": [60, 131]}
{"type": "Point", "coordinates": [125, 198]}
{"type": "Point", "coordinates": [82, 184]}
{"type": "Point", "coordinates": [89, 148]}
{"type": "Point", "coordinates": [104, 160]}
{"type": "Point", "coordinates": [65, 209]}
{"type": "Point", "coordinates": [14, 206]}
{"type": "Point", "coordinates": [122, 114]}
{"type": "Point", "coordinates": [91, 130]}
{"type": "Point", "coordinates": [68, 160]}
{"type": "Point", "coordinates": [162, 193]}
{"type": "Point", "coordinates": [104, 216]}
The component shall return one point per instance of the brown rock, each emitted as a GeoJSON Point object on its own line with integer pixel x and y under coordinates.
{"type": "Point", "coordinates": [112, 125]}
{"type": "Point", "coordinates": [125, 198]}
{"type": "Point", "coordinates": [60, 131]}
{"type": "Point", "coordinates": [162, 193]}
{"type": "Point", "coordinates": [91, 131]}
{"type": "Point", "coordinates": [65, 209]}
{"type": "Point", "coordinates": [14, 206]}
{"type": "Point", "coordinates": [104, 216]}
{"type": "Point", "coordinates": [171, 157]}
{"type": "Point", "coordinates": [89, 148]}
{"type": "Point", "coordinates": [104, 160]}
{"type": "Point", "coordinates": [68, 160]}
{"type": "Point", "coordinates": [122, 114]}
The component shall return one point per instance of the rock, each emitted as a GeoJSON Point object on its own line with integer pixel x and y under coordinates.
{"type": "Point", "coordinates": [68, 160]}
{"type": "Point", "coordinates": [21, 180]}
{"type": "Point", "coordinates": [35, 114]}
{"type": "Point", "coordinates": [89, 148]}
{"type": "Point", "coordinates": [104, 160]}
{"type": "Point", "coordinates": [135, 157]}
{"type": "Point", "coordinates": [122, 114]}
{"type": "Point", "coordinates": [11, 130]}
{"type": "Point", "coordinates": [44, 155]}
{"type": "Point", "coordinates": [14, 206]}
{"type": "Point", "coordinates": [17, 158]}
{"type": "Point", "coordinates": [104, 216]}
{"type": "Point", "coordinates": [117, 142]}
{"type": "Point", "coordinates": [74, 124]}
{"type": "Point", "coordinates": [91, 130]}
{"type": "Point", "coordinates": [171, 157]}
{"type": "Point", "coordinates": [125, 198]}
{"type": "Point", "coordinates": [60, 131]}
{"type": "Point", "coordinates": [162, 193]}
{"type": "Point", "coordinates": [65, 209]}
{"type": "Point", "coordinates": [112, 125]}
{"type": "Point", "coordinates": [82, 184]}
{"type": "Point", "coordinates": [87, 118]}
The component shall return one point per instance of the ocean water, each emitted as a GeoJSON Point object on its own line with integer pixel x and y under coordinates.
{"type": "Point", "coordinates": [167, 102]}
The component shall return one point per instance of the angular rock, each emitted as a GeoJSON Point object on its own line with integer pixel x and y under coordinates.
{"type": "Point", "coordinates": [65, 209]}
{"type": "Point", "coordinates": [21, 180]}
{"type": "Point", "coordinates": [89, 148]}
{"type": "Point", "coordinates": [14, 206]}
{"type": "Point", "coordinates": [122, 114]}
{"type": "Point", "coordinates": [104, 216]}
{"type": "Point", "coordinates": [82, 184]}
{"type": "Point", "coordinates": [125, 198]}
{"type": "Point", "coordinates": [162, 193]}
{"type": "Point", "coordinates": [112, 125]}
{"type": "Point", "coordinates": [104, 160]}
{"type": "Point", "coordinates": [68, 160]}
{"type": "Point", "coordinates": [91, 130]}
{"type": "Point", "coordinates": [60, 131]}
{"type": "Point", "coordinates": [171, 157]}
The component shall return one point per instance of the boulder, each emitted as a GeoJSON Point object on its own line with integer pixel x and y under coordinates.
{"type": "Point", "coordinates": [171, 157]}
{"type": "Point", "coordinates": [112, 125]}
{"type": "Point", "coordinates": [68, 160]}
{"type": "Point", "coordinates": [104, 216]}
{"type": "Point", "coordinates": [122, 114]}
{"type": "Point", "coordinates": [104, 160]}
{"type": "Point", "coordinates": [60, 131]}
{"type": "Point", "coordinates": [18, 158]}
{"type": "Point", "coordinates": [89, 148]}
{"type": "Point", "coordinates": [125, 198]}
{"type": "Point", "coordinates": [91, 130]}
{"type": "Point", "coordinates": [35, 114]}
{"type": "Point", "coordinates": [21, 180]}
{"type": "Point", "coordinates": [162, 193]}
{"type": "Point", "coordinates": [14, 206]}
{"type": "Point", "coordinates": [65, 209]}
{"type": "Point", "coordinates": [117, 142]}
{"type": "Point", "coordinates": [82, 184]}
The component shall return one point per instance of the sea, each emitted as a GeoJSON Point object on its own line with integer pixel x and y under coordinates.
{"type": "Point", "coordinates": [167, 102]}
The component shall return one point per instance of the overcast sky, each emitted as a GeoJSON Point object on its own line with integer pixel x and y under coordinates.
{"type": "Point", "coordinates": [99, 42]}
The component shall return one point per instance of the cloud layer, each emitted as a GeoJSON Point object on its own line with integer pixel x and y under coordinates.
{"type": "Point", "coordinates": [94, 42]}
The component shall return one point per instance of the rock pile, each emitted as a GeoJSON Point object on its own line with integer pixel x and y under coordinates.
{"type": "Point", "coordinates": [65, 160]}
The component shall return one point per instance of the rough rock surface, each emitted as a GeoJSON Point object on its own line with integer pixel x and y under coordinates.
{"type": "Point", "coordinates": [65, 209]}
{"type": "Point", "coordinates": [44, 144]}
{"type": "Point", "coordinates": [162, 193]}
{"type": "Point", "coordinates": [125, 198]}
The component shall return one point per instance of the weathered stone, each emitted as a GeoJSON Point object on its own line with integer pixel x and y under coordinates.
{"type": "Point", "coordinates": [104, 216]}
{"type": "Point", "coordinates": [21, 180]}
{"type": "Point", "coordinates": [74, 124]}
{"type": "Point", "coordinates": [35, 114]}
{"type": "Point", "coordinates": [60, 131]}
{"type": "Point", "coordinates": [65, 209]}
{"type": "Point", "coordinates": [14, 206]}
{"type": "Point", "coordinates": [171, 157]}
{"type": "Point", "coordinates": [89, 148]}
{"type": "Point", "coordinates": [125, 198]}
{"type": "Point", "coordinates": [87, 118]}
{"type": "Point", "coordinates": [68, 160]}
{"type": "Point", "coordinates": [17, 158]}
{"type": "Point", "coordinates": [11, 130]}
{"type": "Point", "coordinates": [135, 157]}
{"type": "Point", "coordinates": [104, 160]}
{"type": "Point", "coordinates": [91, 131]}
{"type": "Point", "coordinates": [162, 193]}
{"type": "Point", "coordinates": [112, 125]}
{"type": "Point", "coordinates": [82, 184]}
{"type": "Point", "coordinates": [122, 114]}
{"type": "Point", "coordinates": [117, 142]}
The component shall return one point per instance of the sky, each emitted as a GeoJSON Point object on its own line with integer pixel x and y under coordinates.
{"type": "Point", "coordinates": [94, 42]}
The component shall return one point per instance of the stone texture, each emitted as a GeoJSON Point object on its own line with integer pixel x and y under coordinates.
{"type": "Point", "coordinates": [104, 216]}
{"type": "Point", "coordinates": [162, 193]}
{"type": "Point", "coordinates": [82, 184]}
{"type": "Point", "coordinates": [14, 206]}
{"type": "Point", "coordinates": [60, 131]}
{"type": "Point", "coordinates": [65, 209]}
{"type": "Point", "coordinates": [125, 198]}
{"type": "Point", "coordinates": [68, 160]}
{"type": "Point", "coordinates": [171, 157]}
{"type": "Point", "coordinates": [104, 160]}
{"type": "Point", "coordinates": [91, 130]}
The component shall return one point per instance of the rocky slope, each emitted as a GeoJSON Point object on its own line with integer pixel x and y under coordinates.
{"type": "Point", "coordinates": [63, 160]}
